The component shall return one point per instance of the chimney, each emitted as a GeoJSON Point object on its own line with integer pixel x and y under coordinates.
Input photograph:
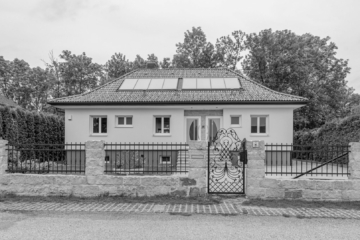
{"type": "Point", "coordinates": [151, 65]}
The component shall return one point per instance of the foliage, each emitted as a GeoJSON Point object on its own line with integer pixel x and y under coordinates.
{"type": "Point", "coordinates": [28, 127]}
{"type": "Point", "coordinates": [303, 65]}
{"type": "Point", "coordinates": [195, 51]}
{"type": "Point", "coordinates": [118, 65]}
{"type": "Point", "coordinates": [128, 160]}
{"type": "Point", "coordinates": [229, 49]}
{"type": "Point", "coordinates": [78, 73]}
{"type": "Point", "coordinates": [335, 132]}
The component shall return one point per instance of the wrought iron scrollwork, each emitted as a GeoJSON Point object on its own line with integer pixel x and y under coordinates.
{"type": "Point", "coordinates": [226, 171]}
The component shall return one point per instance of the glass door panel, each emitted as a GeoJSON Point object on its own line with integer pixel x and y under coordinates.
{"type": "Point", "coordinates": [192, 129]}
{"type": "Point", "coordinates": [213, 128]}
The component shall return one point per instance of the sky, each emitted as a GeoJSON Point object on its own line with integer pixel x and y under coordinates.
{"type": "Point", "coordinates": [30, 29]}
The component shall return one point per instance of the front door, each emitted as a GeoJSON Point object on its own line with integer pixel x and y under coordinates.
{"type": "Point", "coordinates": [192, 129]}
{"type": "Point", "coordinates": [213, 126]}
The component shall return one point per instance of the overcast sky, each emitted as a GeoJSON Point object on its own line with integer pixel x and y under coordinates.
{"type": "Point", "coordinates": [29, 29]}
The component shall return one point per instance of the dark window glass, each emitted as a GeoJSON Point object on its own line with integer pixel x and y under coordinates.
{"type": "Point", "coordinates": [262, 125]}
{"type": "Point", "coordinates": [128, 120]}
{"type": "Point", "coordinates": [166, 125]}
{"type": "Point", "coordinates": [165, 159]}
{"type": "Point", "coordinates": [254, 125]}
{"type": "Point", "coordinates": [158, 125]}
{"type": "Point", "coordinates": [235, 120]}
{"type": "Point", "coordinates": [96, 125]}
{"type": "Point", "coordinates": [103, 125]}
{"type": "Point", "coordinates": [121, 121]}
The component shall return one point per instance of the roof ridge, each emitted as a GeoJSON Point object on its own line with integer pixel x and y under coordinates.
{"type": "Point", "coordinates": [260, 85]}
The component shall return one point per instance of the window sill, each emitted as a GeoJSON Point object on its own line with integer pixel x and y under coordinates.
{"type": "Point", "coordinates": [98, 135]}
{"type": "Point", "coordinates": [235, 126]}
{"type": "Point", "coordinates": [129, 126]}
{"type": "Point", "coordinates": [162, 135]}
{"type": "Point", "coordinates": [259, 135]}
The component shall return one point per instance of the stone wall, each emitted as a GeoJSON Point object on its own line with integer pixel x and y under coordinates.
{"type": "Point", "coordinates": [96, 183]}
{"type": "Point", "coordinates": [259, 186]}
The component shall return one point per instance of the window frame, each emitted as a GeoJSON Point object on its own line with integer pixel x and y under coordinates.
{"type": "Point", "coordinates": [117, 125]}
{"type": "Point", "coordinates": [258, 125]}
{"type": "Point", "coordinates": [100, 125]}
{"type": "Point", "coordinates": [162, 125]}
{"type": "Point", "coordinates": [162, 162]}
{"type": "Point", "coordinates": [236, 125]}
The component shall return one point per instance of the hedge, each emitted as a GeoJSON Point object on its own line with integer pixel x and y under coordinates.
{"type": "Point", "coordinates": [337, 132]}
{"type": "Point", "coordinates": [20, 126]}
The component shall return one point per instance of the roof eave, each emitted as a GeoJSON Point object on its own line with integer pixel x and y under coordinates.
{"type": "Point", "coordinates": [181, 103]}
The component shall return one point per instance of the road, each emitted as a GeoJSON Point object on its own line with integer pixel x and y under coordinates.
{"type": "Point", "coordinates": [103, 226]}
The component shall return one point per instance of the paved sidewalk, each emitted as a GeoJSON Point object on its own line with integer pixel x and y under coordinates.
{"type": "Point", "coordinates": [228, 207]}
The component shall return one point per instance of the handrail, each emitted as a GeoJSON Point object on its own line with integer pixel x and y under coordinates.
{"type": "Point", "coordinates": [321, 165]}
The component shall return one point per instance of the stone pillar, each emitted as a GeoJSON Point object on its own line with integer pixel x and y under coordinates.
{"type": "Point", "coordinates": [197, 177]}
{"type": "Point", "coordinates": [354, 160]}
{"type": "Point", "coordinates": [95, 158]}
{"type": "Point", "coordinates": [3, 156]}
{"type": "Point", "coordinates": [255, 170]}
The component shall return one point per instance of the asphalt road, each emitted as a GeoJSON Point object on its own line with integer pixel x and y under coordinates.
{"type": "Point", "coordinates": [102, 226]}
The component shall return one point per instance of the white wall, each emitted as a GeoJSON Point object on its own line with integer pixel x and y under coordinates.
{"type": "Point", "coordinates": [78, 128]}
{"type": "Point", "coordinates": [280, 119]}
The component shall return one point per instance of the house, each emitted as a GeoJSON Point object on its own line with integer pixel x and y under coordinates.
{"type": "Point", "coordinates": [179, 105]}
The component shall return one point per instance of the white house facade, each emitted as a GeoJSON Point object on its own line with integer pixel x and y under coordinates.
{"type": "Point", "coordinates": [179, 105]}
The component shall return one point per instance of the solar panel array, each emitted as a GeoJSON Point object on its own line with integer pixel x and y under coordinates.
{"type": "Point", "coordinates": [143, 84]}
{"type": "Point", "coordinates": [210, 83]}
{"type": "Point", "coordinates": [188, 83]}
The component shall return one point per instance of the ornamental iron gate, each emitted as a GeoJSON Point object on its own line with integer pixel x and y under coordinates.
{"type": "Point", "coordinates": [227, 157]}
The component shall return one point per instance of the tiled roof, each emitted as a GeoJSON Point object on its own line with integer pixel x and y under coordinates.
{"type": "Point", "coordinates": [249, 92]}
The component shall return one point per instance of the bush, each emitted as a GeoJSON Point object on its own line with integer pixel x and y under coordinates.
{"type": "Point", "coordinates": [337, 132]}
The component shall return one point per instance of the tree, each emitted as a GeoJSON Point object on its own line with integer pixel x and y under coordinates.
{"type": "Point", "coordinates": [139, 62]}
{"type": "Point", "coordinates": [166, 63]}
{"type": "Point", "coordinates": [195, 51]}
{"type": "Point", "coordinates": [78, 73]}
{"type": "Point", "coordinates": [303, 65]}
{"type": "Point", "coordinates": [117, 66]}
{"type": "Point", "coordinates": [229, 49]}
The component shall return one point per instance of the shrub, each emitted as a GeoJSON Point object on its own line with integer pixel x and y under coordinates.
{"type": "Point", "coordinates": [337, 132]}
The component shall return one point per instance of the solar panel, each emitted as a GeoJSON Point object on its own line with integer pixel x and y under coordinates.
{"type": "Point", "coordinates": [232, 83]}
{"type": "Point", "coordinates": [170, 83]}
{"type": "Point", "coordinates": [142, 84]}
{"type": "Point", "coordinates": [156, 83]}
{"type": "Point", "coordinates": [128, 84]}
{"type": "Point", "coordinates": [203, 83]}
{"type": "Point", "coordinates": [217, 83]}
{"type": "Point", "coordinates": [189, 83]}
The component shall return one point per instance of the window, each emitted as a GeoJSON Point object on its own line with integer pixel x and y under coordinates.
{"type": "Point", "coordinates": [235, 121]}
{"type": "Point", "coordinates": [162, 125]}
{"type": "Point", "coordinates": [259, 125]}
{"type": "Point", "coordinates": [99, 125]}
{"type": "Point", "coordinates": [165, 159]}
{"type": "Point", "coordinates": [124, 121]}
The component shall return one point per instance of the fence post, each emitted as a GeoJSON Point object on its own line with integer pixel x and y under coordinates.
{"type": "Point", "coordinates": [3, 156]}
{"type": "Point", "coordinates": [255, 171]}
{"type": "Point", "coordinates": [354, 160]}
{"type": "Point", "coordinates": [95, 158]}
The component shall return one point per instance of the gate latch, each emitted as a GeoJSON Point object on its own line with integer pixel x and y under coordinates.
{"type": "Point", "coordinates": [243, 157]}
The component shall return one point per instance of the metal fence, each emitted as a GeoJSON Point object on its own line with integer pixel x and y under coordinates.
{"type": "Point", "coordinates": [307, 160]}
{"type": "Point", "coordinates": [66, 158]}
{"type": "Point", "coordinates": [146, 158]}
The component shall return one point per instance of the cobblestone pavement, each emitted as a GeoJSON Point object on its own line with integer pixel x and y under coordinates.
{"type": "Point", "coordinates": [228, 207]}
